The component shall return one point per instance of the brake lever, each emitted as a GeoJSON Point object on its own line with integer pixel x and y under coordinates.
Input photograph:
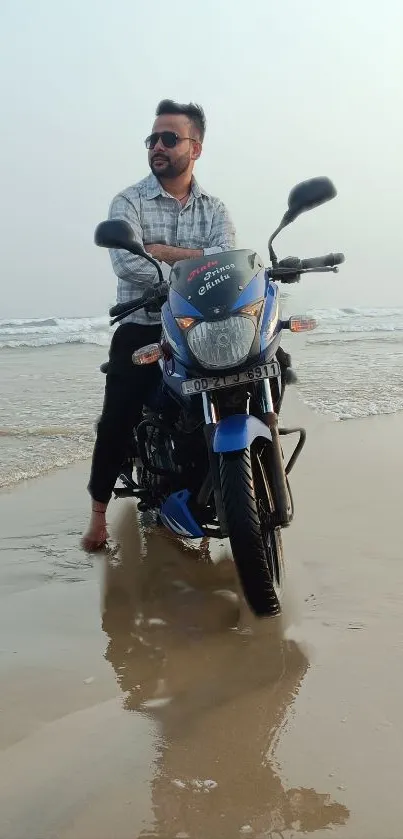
{"type": "Point", "coordinates": [117, 318]}
{"type": "Point", "coordinates": [150, 296]}
{"type": "Point", "coordinates": [325, 269]}
{"type": "Point", "coordinates": [288, 275]}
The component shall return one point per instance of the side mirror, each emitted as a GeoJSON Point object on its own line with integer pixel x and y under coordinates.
{"type": "Point", "coordinates": [304, 196]}
{"type": "Point", "coordinates": [307, 195]}
{"type": "Point", "coordinates": [118, 234]}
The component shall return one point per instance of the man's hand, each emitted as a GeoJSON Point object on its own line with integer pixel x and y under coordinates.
{"type": "Point", "coordinates": [166, 253]}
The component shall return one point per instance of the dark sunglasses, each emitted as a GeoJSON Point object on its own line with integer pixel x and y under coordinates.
{"type": "Point", "coordinates": [168, 138]}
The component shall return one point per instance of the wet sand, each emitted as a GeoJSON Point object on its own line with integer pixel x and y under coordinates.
{"type": "Point", "coordinates": [138, 698]}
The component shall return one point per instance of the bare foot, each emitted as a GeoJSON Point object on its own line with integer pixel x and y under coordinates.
{"type": "Point", "coordinates": [97, 534]}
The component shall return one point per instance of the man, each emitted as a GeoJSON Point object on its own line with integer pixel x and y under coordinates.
{"type": "Point", "coordinates": [174, 219]}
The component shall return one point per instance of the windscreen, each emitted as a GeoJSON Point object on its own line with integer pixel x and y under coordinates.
{"type": "Point", "coordinates": [212, 284]}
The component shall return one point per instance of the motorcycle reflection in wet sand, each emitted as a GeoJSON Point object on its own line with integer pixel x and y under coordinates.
{"type": "Point", "coordinates": [221, 692]}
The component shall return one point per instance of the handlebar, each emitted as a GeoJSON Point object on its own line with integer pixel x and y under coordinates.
{"type": "Point", "coordinates": [328, 261]}
{"type": "Point", "coordinates": [150, 296]}
{"type": "Point", "coordinates": [288, 270]}
{"type": "Point", "coordinates": [119, 309]}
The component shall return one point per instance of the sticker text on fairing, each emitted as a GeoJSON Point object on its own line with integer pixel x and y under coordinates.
{"type": "Point", "coordinates": [216, 277]}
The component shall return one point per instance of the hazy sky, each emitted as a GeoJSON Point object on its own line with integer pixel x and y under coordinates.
{"type": "Point", "coordinates": [291, 89]}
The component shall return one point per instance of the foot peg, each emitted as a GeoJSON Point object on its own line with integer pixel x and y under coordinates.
{"type": "Point", "coordinates": [124, 492]}
{"type": "Point", "coordinates": [127, 480]}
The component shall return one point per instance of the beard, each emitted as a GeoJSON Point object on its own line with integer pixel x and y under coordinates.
{"type": "Point", "coordinates": [165, 168]}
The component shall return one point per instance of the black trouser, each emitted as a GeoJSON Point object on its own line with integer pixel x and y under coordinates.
{"type": "Point", "coordinates": [126, 390]}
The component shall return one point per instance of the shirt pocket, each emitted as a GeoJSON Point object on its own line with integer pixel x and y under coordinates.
{"type": "Point", "coordinates": [193, 230]}
{"type": "Point", "coordinates": [159, 226]}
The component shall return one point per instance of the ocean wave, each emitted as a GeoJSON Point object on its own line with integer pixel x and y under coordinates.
{"type": "Point", "coordinates": [35, 450]}
{"type": "Point", "coordinates": [53, 325]}
{"type": "Point", "coordinates": [20, 323]}
{"type": "Point", "coordinates": [59, 322]}
{"type": "Point", "coordinates": [20, 333]}
{"type": "Point", "coordinates": [352, 411]}
{"type": "Point", "coordinates": [35, 468]}
{"type": "Point", "coordinates": [352, 338]}
{"type": "Point", "coordinates": [385, 328]}
{"type": "Point", "coordinates": [78, 432]}
{"type": "Point", "coordinates": [100, 339]}
{"type": "Point", "coordinates": [47, 332]}
{"type": "Point", "coordinates": [364, 312]}
{"type": "Point", "coordinates": [343, 323]}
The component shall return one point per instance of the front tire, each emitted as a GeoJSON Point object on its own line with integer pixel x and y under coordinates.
{"type": "Point", "coordinates": [256, 544]}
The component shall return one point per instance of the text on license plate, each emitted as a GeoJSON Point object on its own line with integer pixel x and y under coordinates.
{"type": "Point", "coordinates": [261, 371]}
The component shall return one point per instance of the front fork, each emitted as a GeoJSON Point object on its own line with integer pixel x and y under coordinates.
{"type": "Point", "coordinates": [210, 421]}
{"type": "Point", "coordinates": [278, 479]}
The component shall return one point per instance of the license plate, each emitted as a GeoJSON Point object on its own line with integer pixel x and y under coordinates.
{"type": "Point", "coordinates": [261, 371]}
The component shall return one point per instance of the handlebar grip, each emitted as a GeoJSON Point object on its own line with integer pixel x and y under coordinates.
{"type": "Point", "coordinates": [131, 305]}
{"type": "Point", "coordinates": [119, 309]}
{"type": "Point", "coordinates": [151, 296]}
{"type": "Point", "coordinates": [328, 261]}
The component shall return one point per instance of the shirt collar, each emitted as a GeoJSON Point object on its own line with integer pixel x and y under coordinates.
{"type": "Point", "coordinates": [154, 188]}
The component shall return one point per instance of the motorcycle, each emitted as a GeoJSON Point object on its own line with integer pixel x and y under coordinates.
{"type": "Point", "coordinates": [208, 451]}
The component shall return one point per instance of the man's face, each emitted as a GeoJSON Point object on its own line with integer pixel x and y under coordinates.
{"type": "Point", "coordinates": [172, 162]}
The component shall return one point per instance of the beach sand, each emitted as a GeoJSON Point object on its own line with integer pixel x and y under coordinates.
{"type": "Point", "coordinates": [135, 700]}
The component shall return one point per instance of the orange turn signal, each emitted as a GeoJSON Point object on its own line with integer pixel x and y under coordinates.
{"type": "Point", "coordinates": [185, 323]}
{"type": "Point", "coordinates": [252, 309]}
{"type": "Point", "coordinates": [297, 324]}
{"type": "Point", "coordinates": [147, 355]}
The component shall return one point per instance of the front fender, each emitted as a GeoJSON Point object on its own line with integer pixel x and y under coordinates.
{"type": "Point", "coordinates": [238, 432]}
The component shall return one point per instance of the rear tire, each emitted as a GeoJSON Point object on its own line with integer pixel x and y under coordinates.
{"type": "Point", "coordinates": [256, 545]}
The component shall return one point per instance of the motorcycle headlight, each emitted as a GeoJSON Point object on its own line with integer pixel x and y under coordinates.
{"type": "Point", "coordinates": [222, 343]}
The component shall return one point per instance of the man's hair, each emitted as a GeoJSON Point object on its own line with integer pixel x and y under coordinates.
{"type": "Point", "coordinates": [194, 113]}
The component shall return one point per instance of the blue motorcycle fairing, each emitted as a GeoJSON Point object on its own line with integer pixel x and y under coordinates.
{"type": "Point", "coordinates": [272, 303]}
{"type": "Point", "coordinates": [176, 515]}
{"type": "Point", "coordinates": [237, 432]}
{"type": "Point", "coordinates": [180, 307]}
{"type": "Point", "coordinates": [174, 335]}
{"type": "Point", "coordinates": [254, 290]}
{"type": "Point", "coordinates": [269, 351]}
{"type": "Point", "coordinates": [173, 376]}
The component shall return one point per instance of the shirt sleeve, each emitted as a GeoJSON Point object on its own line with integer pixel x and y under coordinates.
{"type": "Point", "coordinates": [222, 236]}
{"type": "Point", "coordinates": [125, 265]}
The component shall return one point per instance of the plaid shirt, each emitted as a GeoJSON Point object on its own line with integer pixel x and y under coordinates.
{"type": "Point", "coordinates": [157, 218]}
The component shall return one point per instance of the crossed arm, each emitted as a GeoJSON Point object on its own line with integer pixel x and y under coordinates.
{"type": "Point", "coordinates": [131, 268]}
{"type": "Point", "coordinates": [166, 253]}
